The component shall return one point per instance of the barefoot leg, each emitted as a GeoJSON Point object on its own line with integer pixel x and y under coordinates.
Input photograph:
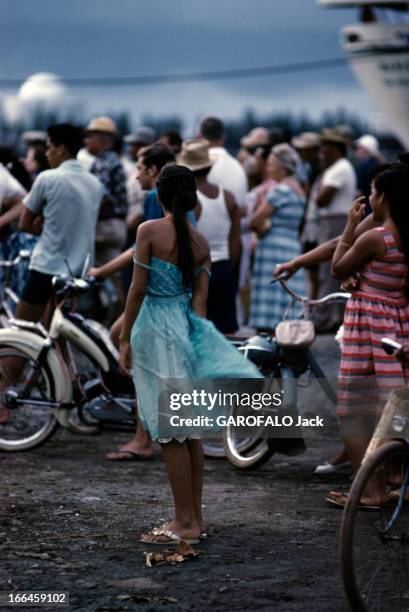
{"type": "Point", "coordinates": [179, 468]}
{"type": "Point", "coordinates": [196, 457]}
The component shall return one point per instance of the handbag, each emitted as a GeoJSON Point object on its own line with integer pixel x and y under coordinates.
{"type": "Point", "coordinates": [295, 333]}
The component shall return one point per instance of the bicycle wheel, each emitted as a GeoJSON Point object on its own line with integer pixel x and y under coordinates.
{"type": "Point", "coordinates": [246, 448]}
{"type": "Point", "coordinates": [29, 425]}
{"type": "Point", "coordinates": [214, 448]}
{"type": "Point", "coordinates": [375, 548]}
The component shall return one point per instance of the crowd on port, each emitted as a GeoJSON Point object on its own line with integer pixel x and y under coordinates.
{"type": "Point", "coordinates": [321, 208]}
{"type": "Point", "coordinates": [276, 198]}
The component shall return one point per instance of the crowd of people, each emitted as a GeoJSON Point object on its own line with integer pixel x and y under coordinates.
{"type": "Point", "coordinates": [211, 230]}
{"type": "Point", "coordinates": [274, 200]}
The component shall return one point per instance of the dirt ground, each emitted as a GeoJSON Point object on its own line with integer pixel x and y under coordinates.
{"type": "Point", "coordinates": [70, 521]}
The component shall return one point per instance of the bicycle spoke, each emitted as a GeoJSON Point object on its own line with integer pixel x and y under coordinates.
{"type": "Point", "coordinates": [28, 422]}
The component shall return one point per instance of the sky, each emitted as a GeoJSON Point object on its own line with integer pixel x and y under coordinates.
{"type": "Point", "coordinates": [116, 38]}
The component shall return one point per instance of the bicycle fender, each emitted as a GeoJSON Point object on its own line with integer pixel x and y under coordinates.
{"type": "Point", "coordinates": [62, 326]}
{"type": "Point", "coordinates": [32, 344]}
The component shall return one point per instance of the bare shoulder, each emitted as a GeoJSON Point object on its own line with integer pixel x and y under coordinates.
{"type": "Point", "coordinates": [371, 240]}
{"type": "Point", "coordinates": [148, 228]}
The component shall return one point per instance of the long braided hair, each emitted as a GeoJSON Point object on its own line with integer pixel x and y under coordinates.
{"type": "Point", "coordinates": [176, 187]}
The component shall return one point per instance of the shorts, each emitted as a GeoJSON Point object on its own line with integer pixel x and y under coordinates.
{"type": "Point", "coordinates": [38, 288]}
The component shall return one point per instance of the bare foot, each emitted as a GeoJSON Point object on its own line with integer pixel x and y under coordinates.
{"type": "Point", "coordinates": [191, 531]}
{"type": "Point", "coordinates": [342, 457]}
{"type": "Point", "coordinates": [395, 494]}
{"type": "Point", "coordinates": [161, 534]}
{"type": "Point", "coordinates": [375, 500]}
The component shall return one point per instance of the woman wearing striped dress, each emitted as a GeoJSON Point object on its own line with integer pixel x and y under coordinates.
{"type": "Point", "coordinates": [277, 222]}
{"type": "Point", "coordinates": [379, 307]}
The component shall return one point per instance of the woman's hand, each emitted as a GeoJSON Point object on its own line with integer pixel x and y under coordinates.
{"type": "Point", "coordinates": [125, 358]}
{"type": "Point", "coordinates": [288, 268]}
{"type": "Point", "coordinates": [356, 212]}
{"type": "Point", "coordinates": [402, 354]}
{"type": "Point", "coordinates": [351, 283]}
{"type": "Point", "coordinates": [94, 272]}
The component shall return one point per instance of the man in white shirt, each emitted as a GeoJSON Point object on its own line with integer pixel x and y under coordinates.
{"type": "Point", "coordinates": [226, 172]}
{"type": "Point", "coordinates": [334, 194]}
{"type": "Point", "coordinates": [62, 209]}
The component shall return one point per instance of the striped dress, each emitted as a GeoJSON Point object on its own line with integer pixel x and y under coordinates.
{"type": "Point", "coordinates": [280, 244]}
{"type": "Point", "coordinates": [379, 308]}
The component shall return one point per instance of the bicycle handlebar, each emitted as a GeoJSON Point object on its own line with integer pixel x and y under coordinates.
{"type": "Point", "coordinates": [11, 263]}
{"type": "Point", "coordinates": [66, 286]}
{"type": "Point", "coordinates": [331, 297]}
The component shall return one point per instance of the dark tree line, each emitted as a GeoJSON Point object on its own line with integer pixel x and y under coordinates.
{"type": "Point", "coordinates": [289, 123]}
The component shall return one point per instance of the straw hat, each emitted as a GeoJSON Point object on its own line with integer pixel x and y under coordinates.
{"type": "Point", "coordinates": [102, 124]}
{"type": "Point", "coordinates": [195, 155]}
{"type": "Point", "coordinates": [334, 135]}
{"type": "Point", "coordinates": [257, 137]}
{"type": "Point", "coordinates": [306, 140]}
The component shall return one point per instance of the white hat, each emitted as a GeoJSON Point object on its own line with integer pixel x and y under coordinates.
{"type": "Point", "coordinates": [306, 140]}
{"type": "Point", "coordinates": [370, 143]}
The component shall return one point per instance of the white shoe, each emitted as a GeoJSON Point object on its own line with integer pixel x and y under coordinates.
{"type": "Point", "coordinates": [330, 468]}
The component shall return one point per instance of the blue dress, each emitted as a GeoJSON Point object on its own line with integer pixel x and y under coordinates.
{"type": "Point", "coordinates": [281, 243]}
{"type": "Point", "coordinates": [170, 341]}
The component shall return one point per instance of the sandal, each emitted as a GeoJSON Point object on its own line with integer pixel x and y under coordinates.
{"type": "Point", "coordinates": [161, 535]}
{"type": "Point", "coordinates": [396, 493]}
{"type": "Point", "coordinates": [339, 501]}
{"type": "Point", "coordinates": [127, 455]}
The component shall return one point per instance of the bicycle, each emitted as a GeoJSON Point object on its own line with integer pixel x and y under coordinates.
{"type": "Point", "coordinates": [50, 385]}
{"type": "Point", "coordinates": [375, 545]}
{"type": "Point", "coordinates": [282, 366]}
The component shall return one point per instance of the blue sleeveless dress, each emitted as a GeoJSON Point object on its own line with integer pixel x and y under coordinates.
{"type": "Point", "coordinates": [169, 340]}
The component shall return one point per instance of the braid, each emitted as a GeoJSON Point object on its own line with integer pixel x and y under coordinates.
{"type": "Point", "coordinates": [177, 192]}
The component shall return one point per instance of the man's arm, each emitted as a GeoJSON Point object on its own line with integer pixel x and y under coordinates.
{"type": "Point", "coordinates": [234, 235]}
{"type": "Point", "coordinates": [31, 219]}
{"type": "Point", "coordinates": [30, 222]}
{"type": "Point", "coordinates": [14, 208]}
{"type": "Point", "coordinates": [325, 196]}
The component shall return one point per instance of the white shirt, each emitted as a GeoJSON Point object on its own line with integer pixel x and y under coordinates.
{"type": "Point", "coordinates": [68, 198]}
{"type": "Point", "coordinates": [85, 158]}
{"type": "Point", "coordinates": [10, 188]}
{"type": "Point", "coordinates": [341, 176]}
{"type": "Point", "coordinates": [135, 193]}
{"type": "Point", "coordinates": [215, 223]}
{"type": "Point", "coordinates": [228, 174]}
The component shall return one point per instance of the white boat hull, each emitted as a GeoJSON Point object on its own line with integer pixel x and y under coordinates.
{"type": "Point", "coordinates": [379, 56]}
{"type": "Point", "coordinates": [386, 80]}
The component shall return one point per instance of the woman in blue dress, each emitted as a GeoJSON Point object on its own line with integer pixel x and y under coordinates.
{"type": "Point", "coordinates": [277, 222]}
{"type": "Point", "coordinates": [165, 336]}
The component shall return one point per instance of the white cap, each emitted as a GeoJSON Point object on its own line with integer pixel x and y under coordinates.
{"type": "Point", "coordinates": [370, 143]}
